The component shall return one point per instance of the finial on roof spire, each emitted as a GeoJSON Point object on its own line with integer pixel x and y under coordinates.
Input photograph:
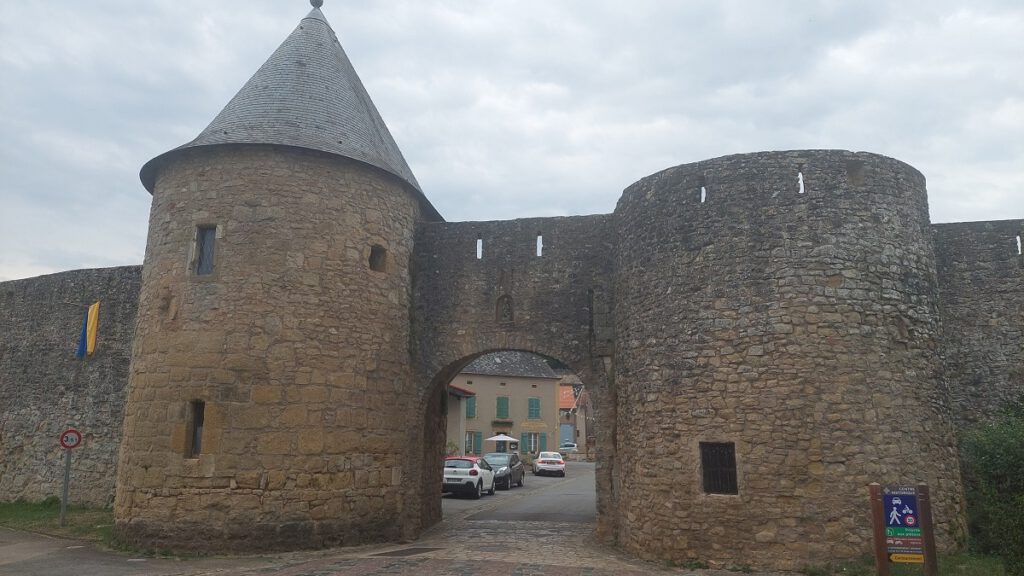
{"type": "Point", "coordinates": [316, 3]}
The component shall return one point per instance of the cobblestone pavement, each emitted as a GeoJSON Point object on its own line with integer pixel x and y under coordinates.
{"type": "Point", "coordinates": [456, 547]}
{"type": "Point", "coordinates": [480, 548]}
{"type": "Point", "coordinates": [459, 546]}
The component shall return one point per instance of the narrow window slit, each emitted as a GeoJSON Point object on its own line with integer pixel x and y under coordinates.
{"type": "Point", "coordinates": [1019, 253]}
{"type": "Point", "coordinates": [479, 248]}
{"type": "Point", "coordinates": [196, 409]}
{"type": "Point", "coordinates": [703, 190]}
{"type": "Point", "coordinates": [206, 236]}
{"type": "Point", "coordinates": [540, 244]}
{"type": "Point", "coordinates": [800, 181]}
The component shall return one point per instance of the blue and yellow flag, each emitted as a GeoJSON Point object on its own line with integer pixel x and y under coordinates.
{"type": "Point", "coordinates": [90, 325]}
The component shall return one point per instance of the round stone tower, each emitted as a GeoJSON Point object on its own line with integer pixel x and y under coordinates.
{"type": "Point", "coordinates": [271, 348]}
{"type": "Point", "coordinates": [776, 332]}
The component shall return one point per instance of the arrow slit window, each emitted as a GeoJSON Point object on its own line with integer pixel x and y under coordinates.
{"type": "Point", "coordinates": [718, 467]}
{"type": "Point", "coordinates": [196, 413]}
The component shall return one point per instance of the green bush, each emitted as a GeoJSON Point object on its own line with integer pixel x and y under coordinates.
{"type": "Point", "coordinates": [994, 479]}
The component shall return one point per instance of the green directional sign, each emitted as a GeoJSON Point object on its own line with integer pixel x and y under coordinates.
{"type": "Point", "coordinates": [916, 532]}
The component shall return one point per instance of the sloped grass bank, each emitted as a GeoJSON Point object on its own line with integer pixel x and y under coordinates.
{"type": "Point", "coordinates": [89, 524]}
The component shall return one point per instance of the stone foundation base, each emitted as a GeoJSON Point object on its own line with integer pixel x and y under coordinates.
{"type": "Point", "coordinates": [199, 537]}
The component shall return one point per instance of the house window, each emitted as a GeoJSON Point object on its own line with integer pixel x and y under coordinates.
{"type": "Point", "coordinates": [474, 442]}
{"type": "Point", "coordinates": [533, 408]}
{"type": "Point", "coordinates": [534, 441]}
{"type": "Point", "coordinates": [196, 413]}
{"type": "Point", "coordinates": [501, 410]}
{"type": "Point", "coordinates": [718, 465]}
{"type": "Point", "coordinates": [471, 407]}
{"type": "Point", "coordinates": [206, 237]}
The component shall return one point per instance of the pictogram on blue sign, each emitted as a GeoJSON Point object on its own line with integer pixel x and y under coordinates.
{"type": "Point", "coordinates": [900, 510]}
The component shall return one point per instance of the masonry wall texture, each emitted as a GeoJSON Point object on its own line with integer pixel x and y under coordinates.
{"type": "Point", "coordinates": [44, 389]}
{"type": "Point", "coordinates": [298, 348]}
{"type": "Point", "coordinates": [981, 286]}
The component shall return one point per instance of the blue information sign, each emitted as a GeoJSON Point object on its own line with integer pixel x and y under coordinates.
{"type": "Point", "coordinates": [903, 536]}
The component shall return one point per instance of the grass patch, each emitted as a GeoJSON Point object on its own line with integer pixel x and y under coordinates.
{"type": "Point", "coordinates": [949, 565]}
{"type": "Point", "coordinates": [88, 524]}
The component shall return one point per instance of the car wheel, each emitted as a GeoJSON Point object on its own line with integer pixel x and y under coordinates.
{"type": "Point", "coordinates": [562, 474]}
{"type": "Point", "coordinates": [479, 491]}
{"type": "Point", "coordinates": [491, 491]}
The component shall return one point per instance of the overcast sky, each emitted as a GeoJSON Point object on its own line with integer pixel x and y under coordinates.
{"type": "Point", "coordinates": [506, 109]}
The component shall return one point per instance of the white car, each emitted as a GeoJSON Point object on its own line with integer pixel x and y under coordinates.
{"type": "Point", "coordinates": [549, 463]}
{"type": "Point", "coordinates": [468, 475]}
{"type": "Point", "coordinates": [568, 448]}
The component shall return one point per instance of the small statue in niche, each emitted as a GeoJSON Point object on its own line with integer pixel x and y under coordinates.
{"type": "Point", "coordinates": [504, 314]}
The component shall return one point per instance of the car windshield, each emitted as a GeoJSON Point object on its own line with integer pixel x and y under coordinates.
{"type": "Point", "coordinates": [497, 459]}
{"type": "Point", "coordinates": [552, 455]}
{"type": "Point", "coordinates": [458, 464]}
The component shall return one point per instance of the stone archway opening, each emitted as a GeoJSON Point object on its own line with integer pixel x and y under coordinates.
{"type": "Point", "coordinates": [541, 402]}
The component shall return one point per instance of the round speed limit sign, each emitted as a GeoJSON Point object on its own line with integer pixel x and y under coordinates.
{"type": "Point", "coordinates": [70, 438]}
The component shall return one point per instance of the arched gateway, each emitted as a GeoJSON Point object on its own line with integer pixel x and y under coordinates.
{"type": "Point", "coordinates": [758, 332]}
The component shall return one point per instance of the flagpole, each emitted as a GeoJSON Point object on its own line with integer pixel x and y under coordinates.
{"type": "Point", "coordinates": [76, 375]}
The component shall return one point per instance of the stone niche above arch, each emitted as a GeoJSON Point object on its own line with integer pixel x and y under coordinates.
{"type": "Point", "coordinates": [504, 310]}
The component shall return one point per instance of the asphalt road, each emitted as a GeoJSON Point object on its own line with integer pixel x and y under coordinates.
{"type": "Point", "coordinates": [550, 499]}
{"type": "Point", "coordinates": [542, 499]}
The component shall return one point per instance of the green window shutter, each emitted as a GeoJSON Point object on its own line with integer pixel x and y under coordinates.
{"type": "Point", "coordinates": [502, 406]}
{"type": "Point", "coordinates": [543, 441]}
{"type": "Point", "coordinates": [478, 442]}
{"type": "Point", "coordinates": [471, 407]}
{"type": "Point", "coordinates": [534, 409]}
{"type": "Point", "coordinates": [524, 442]}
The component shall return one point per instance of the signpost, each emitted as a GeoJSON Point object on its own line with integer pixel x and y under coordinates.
{"type": "Point", "coordinates": [69, 439]}
{"type": "Point", "coordinates": [902, 527]}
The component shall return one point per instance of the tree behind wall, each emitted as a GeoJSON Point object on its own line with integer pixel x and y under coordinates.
{"type": "Point", "coordinates": [994, 474]}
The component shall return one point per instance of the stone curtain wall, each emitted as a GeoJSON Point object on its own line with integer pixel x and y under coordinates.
{"type": "Point", "coordinates": [44, 389]}
{"type": "Point", "coordinates": [800, 326]}
{"type": "Point", "coordinates": [508, 299]}
{"type": "Point", "coordinates": [981, 288]}
{"type": "Point", "coordinates": [298, 348]}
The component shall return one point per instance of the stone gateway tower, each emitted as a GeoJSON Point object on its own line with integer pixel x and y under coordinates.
{"type": "Point", "coordinates": [763, 335]}
{"type": "Point", "coordinates": [273, 325]}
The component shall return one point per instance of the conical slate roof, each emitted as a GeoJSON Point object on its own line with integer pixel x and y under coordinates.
{"type": "Point", "coordinates": [308, 95]}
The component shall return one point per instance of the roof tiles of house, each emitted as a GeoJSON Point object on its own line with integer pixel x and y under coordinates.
{"type": "Point", "coordinates": [307, 95]}
{"type": "Point", "coordinates": [566, 398]}
{"type": "Point", "coordinates": [510, 364]}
